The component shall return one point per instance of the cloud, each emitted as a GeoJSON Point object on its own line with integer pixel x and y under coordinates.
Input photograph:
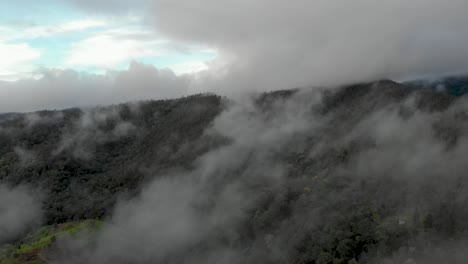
{"type": "Point", "coordinates": [107, 51]}
{"type": "Point", "coordinates": [20, 209]}
{"type": "Point", "coordinates": [285, 45]}
{"type": "Point", "coordinates": [113, 6]}
{"type": "Point", "coordinates": [40, 31]}
{"type": "Point", "coordinates": [26, 157]}
{"type": "Point", "coordinates": [88, 131]}
{"type": "Point", "coordinates": [120, 44]}
{"type": "Point", "coordinates": [20, 57]}
{"type": "Point", "coordinates": [190, 67]}
{"type": "Point", "coordinates": [121, 41]}
{"type": "Point", "coordinates": [453, 251]}
{"type": "Point", "coordinates": [67, 88]}
{"type": "Point", "coordinates": [275, 44]}
{"type": "Point", "coordinates": [81, 25]}
{"type": "Point", "coordinates": [16, 60]}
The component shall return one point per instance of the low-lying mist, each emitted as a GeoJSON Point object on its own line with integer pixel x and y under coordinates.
{"type": "Point", "coordinates": [369, 173]}
{"type": "Point", "coordinates": [20, 211]}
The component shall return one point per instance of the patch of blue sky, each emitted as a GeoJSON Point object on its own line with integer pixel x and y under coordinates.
{"type": "Point", "coordinates": [27, 13]}
{"type": "Point", "coordinates": [61, 38]}
{"type": "Point", "coordinates": [55, 48]}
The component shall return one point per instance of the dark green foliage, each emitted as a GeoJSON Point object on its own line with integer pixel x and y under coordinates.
{"type": "Point", "coordinates": [168, 135]}
{"type": "Point", "coordinates": [323, 211]}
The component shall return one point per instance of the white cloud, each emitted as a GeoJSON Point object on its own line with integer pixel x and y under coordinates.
{"type": "Point", "coordinates": [105, 50]}
{"type": "Point", "coordinates": [12, 33]}
{"type": "Point", "coordinates": [114, 46]}
{"type": "Point", "coordinates": [16, 60]}
{"type": "Point", "coordinates": [111, 6]}
{"type": "Point", "coordinates": [189, 67]}
{"type": "Point", "coordinates": [82, 25]}
{"type": "Point", "coordinates": [115, 42]}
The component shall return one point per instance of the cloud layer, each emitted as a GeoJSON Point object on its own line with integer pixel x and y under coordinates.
{"type": "Point", "coordinates": [61, 89]}
{"type": "Point", "coordinates": [267, 45]}
{"type": "Point", "coordinates": [277, 44]}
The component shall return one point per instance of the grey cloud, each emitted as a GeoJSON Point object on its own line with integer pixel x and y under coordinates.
{"type": "Point", "coordinates": [62, 89]}
{"type": "Point", "coordinates": [277, 44]}
{"type": "Point", "coordinates": [113, 6]}
{"type": "Point", "coordinates": [430, 252]}
{"type": "Point", "coordinates": [32, 119]}
{"type": "Point", "coordinates": [94, 126]}
{"type": "Point", "coordinates": [20, 209]}
{"type": "Point", "coordinates": [267, 45]}
{"type": "Point", "coordinates": [26, 157]}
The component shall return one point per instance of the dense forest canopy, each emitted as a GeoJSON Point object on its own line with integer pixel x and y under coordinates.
{"type": "Point", "coordinates": [367, 173]}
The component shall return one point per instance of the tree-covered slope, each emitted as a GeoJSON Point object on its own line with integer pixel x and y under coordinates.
{"type": "Point", "coordinates": [84, 159]}
{"type": "Point", "coordinates": [38, 246]}
{"type": "Point", "coordinates": [367, 173]}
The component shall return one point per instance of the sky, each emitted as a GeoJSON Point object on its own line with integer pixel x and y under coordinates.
{"type": "Point", "coordinates": [58, 54]}
{"type": "Point", "coordinates": [60, 35]}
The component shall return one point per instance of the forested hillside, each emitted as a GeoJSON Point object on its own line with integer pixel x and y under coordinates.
{"type": "Point", "coordinates": [367, 173]}
{"type": "Point", "coordinates": [84, 159]}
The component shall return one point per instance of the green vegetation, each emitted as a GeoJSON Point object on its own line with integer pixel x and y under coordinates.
{"type": "Point", "coordinates": [86, 159]}
{"type": "Point", "coordinates": [327, 209]}
{"type": "Point", "coordinates": [32, 248]}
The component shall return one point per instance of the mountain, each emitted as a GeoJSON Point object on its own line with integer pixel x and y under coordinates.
{"type": "Point", "coordinates": [85, 159]}
{"type": "Point", "coordinates": [365, 173]}
{"type": "Point", "coordinates": [456, 85]}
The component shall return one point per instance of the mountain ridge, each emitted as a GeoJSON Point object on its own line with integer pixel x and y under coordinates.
{"type": "Point", "coordinates": [296, 176]}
